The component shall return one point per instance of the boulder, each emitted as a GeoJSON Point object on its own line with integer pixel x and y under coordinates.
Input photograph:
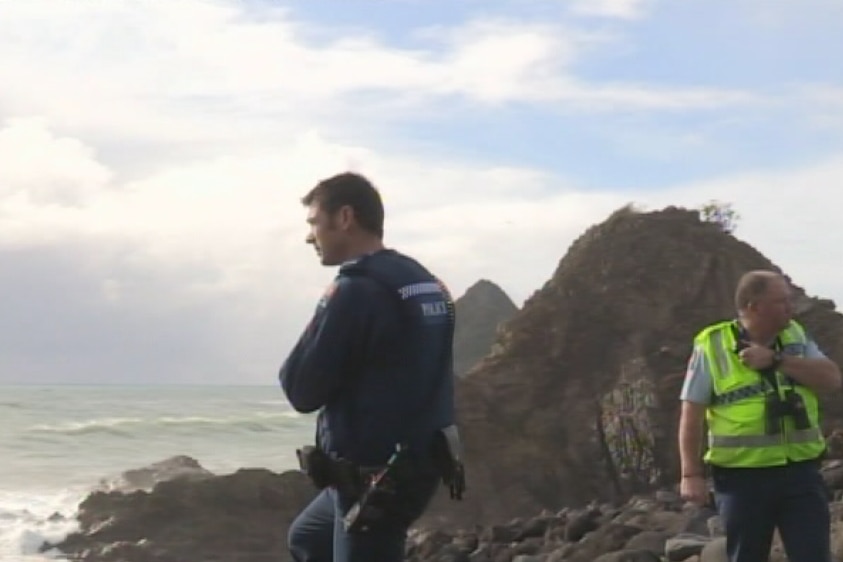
{"type": "Point", "coordinates": [242, 516]}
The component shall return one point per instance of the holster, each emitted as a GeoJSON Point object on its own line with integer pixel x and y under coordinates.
{"type": "Point", "coordinates": [325, 471]}
{"type": "Point", "coordinates": [377, 500]}
{"type": "Point", "coordinates": [447, 456]}
{"type": "Point", "coordinates": [373, 489]}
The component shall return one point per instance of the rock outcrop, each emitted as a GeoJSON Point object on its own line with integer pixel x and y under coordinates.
{"type": "Point", "coordinates": [580, 398]}
{"type": "Point", "coordinates": [244, 517]}
{"type": "Point", "coordinates": [194, 516]}
{"type": "Point", "coordinates": [173, 468]}
{"type": "Point", "coordinates": [480, 311]}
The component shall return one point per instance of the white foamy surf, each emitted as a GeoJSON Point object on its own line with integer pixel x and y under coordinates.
{"type": "Point", "coordinates": [29, 520]}
{"type": "Point", "coordinates": [59, 443]}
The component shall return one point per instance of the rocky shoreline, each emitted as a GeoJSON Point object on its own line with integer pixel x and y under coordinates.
{"type": "Point", "coordinates": [191, 515]}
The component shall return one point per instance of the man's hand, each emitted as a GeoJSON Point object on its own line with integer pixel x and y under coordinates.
{"type": "Point", "coordinates": [756, 356]}
{"type": "Point", "coordinates": [693, 489]}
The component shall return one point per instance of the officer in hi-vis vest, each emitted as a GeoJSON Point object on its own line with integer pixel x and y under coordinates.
{"type": "Point", "coordinates": [754, 381]}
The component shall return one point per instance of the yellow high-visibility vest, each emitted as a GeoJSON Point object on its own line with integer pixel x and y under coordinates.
{"type": "Point", "coordinates": [738, 432]}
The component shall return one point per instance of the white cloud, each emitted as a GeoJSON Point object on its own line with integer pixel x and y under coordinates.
{"type": "Point", "coordinates": [624, 9]}
{"type": "Point", "coordinates": [204, 71]}
{"type": "Point", "coordinates": [46, 169]}
{"type": "Point", "coordinates": [824, 94]}
{"type": "Point", "coordinates": [826, 106]}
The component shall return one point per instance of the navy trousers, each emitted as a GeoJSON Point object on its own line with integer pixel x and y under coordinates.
{"type": "Point", "coordinates": [317, 533]}
{"type": "Point", "coordinates": [754, 501]}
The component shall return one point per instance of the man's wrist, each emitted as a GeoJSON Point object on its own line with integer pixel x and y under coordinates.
{"type": "Point", "coordinates": [693, 472]}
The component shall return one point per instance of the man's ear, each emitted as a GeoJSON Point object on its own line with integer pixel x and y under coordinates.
{"type": "Point", "coordinates": [345, 217]}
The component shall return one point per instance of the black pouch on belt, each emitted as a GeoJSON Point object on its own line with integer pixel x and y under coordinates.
{"type": "Point", "coordinates": [318, 466]}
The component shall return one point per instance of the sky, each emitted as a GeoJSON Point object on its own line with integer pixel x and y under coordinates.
{"type": "Point", "coordinates": [153, 154]}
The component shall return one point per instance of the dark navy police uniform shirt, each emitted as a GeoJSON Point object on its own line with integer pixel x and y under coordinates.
{"type": "Point", "coordinates": [376, 360]}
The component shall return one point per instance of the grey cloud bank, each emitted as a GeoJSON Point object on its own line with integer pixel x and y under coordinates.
{"type": "Point", "coordinates": [97, 312]}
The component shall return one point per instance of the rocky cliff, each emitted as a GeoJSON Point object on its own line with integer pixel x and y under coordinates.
{"type": "Point", "coordinates": [580, 398]}
{"type": "Point", "coordinates": [480, 311]}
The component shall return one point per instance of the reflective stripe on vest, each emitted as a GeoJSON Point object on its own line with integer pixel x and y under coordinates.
{"type": "Point", "coordinates": [740, 394]}
{"type": "Point", "coordinates": [720, 353]}
{"type": "Point", "coordinates": [734, 441]}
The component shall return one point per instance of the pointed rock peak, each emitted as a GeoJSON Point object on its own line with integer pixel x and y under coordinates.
{"type": "Point", "coordinates": [486, 292]}
{"type": "Point", "coordinates": [480, 312]}
{"type": "Point", "coordinates": [484, 285]}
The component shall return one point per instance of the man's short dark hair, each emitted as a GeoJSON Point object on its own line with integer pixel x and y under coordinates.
{"type": "Point", "coordinates": [751, 286]}
{"type": "Point", "coordinates": [355, 191]}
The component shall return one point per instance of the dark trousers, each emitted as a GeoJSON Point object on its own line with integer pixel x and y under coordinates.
{"type": "Point", "coordinates": [754, 501]}
{"type": "Point", "coordinates": [317, 534]}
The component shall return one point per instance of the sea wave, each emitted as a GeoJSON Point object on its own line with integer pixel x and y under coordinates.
{"type": "Point", "coordinates": [12, 405]}
{"type": "Point", "coordinates": [126, 426]}
{"type": "Point", "coordinates": [29, 520]}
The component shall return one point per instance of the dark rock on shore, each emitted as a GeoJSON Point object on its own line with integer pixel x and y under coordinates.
{"type": "Point", "coordinates": [240, 517]}
{"type": "Point", "coordinates": [244, 517]}
{"type": "Point", "coordinates": [178, 467]}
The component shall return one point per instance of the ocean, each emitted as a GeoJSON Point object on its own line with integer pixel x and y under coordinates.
{"type": "Point", "coordinates": [57, 443]}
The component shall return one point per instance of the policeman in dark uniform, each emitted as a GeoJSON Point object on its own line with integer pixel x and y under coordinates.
{"type": "Point", "coordinates": [376, 362]}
